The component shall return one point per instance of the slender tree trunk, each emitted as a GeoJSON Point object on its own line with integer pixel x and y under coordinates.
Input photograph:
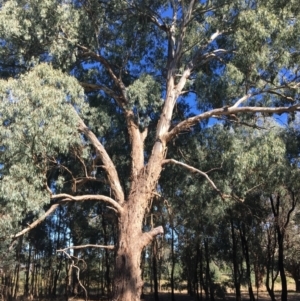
{"type": "Point", "coordinates": [280, 228]}
{"type": "Point", "coordinates": [196, 280]}
{"type": "Point", "coordinates": [297, 282]}
{"type": "Point", "coordinates": [270, 265]}
{"type": "Point", "coordinates": [59, 266]}
{"type": "Point", "coordinates": [17, 269]}
{"type": "Point", "coordinates": [16, 286]}
{"type": "Point", "coordinates": [154, 269]}
{"type": "Point", "coordinates": [33, 275]}
{"type": "Point", "coordinates": [202, 284]}
{"type": "Point", "coordinates": [173, 262]}
{"type": "Point", "coordinates": [280, 237]}
{"type": "Point", "coordinates": [247, 258]}
{"type": "Point", "coordinates": [209, 282]}
{"type": "Point", "coordinates": [237, 283]}
{"type": "Point", "coordinates": [295, 273]}
{"type": "Point", "coordinates": [106, 254]}
{"type": "Point", "coordinates": [26, 287]}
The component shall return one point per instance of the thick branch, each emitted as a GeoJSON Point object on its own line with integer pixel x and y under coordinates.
{"type": "Point", "coordinates": [111, 247]}
{"type": "Point", "coordinates": [37, 222]}
{"type": "Point", "coordinates": [241, 100]}
{"type": "Point", "coordinates": [294, 202]}
{"type": "Point", "coordinates": [68, 198]}
{"type": "Point", "coordinates": [108, 164]}
{"type": "Point", "coordinates": [88, 197]}
{"type": "Point", "coordinates": [190, 122]}
{"type": "Point", "coordinates": [134, 133]}
{"type": "Point", "coordinates": [137, 144]}
{"type": "Point", "coordinates": [147, 237]}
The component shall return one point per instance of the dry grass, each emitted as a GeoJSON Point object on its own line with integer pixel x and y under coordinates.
{"type": "Point", "coordinates": [230, 296]}
{"type": "Point", "coordinates": [263, 296]}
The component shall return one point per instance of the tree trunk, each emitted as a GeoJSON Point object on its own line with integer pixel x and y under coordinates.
{"type": "Point", "coordinates": [154, 269]}
{"type": "Point", "coordinates": [107, 262]}
{"type": "Point", "coordinates": [209, 283]}
{"type": "Point", "coordinates": [280, 231]}
{"type": "Point", "coordinates": [127, 284]}
{"type": "Point", "coordinates": [295, 273]}
{"type": "Point", "coordinates": [237, 283]}
{"type": "Point", "coordinates": [196, 280]}
{"type": "Point", "coordinates": [17, 269]}
{"type": "Point", "coordinates": [297, 282]}
{"type": "Point", "coordinates": [270, 265]}
{"type": "Point", "coordinates": [202, 283]}
{"type": "Point", "coordinates": [173, 263]}
{"type": "Point", "coordinates": [27, 273]}
{"type": "Point", "coordinates": [244, 240]}
{"type": "Point", "coordinates": [280, 237]}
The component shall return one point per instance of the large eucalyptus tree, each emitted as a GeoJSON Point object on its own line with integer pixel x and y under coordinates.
{"type": "Point", "coordinates": [90, 96]}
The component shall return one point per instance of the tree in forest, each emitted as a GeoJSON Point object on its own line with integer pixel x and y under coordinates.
{"type": "Point", "coordinates": [91, 98]}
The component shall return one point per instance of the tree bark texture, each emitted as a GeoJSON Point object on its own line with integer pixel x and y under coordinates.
{"type": "Point", "coordinates": [127, 285]}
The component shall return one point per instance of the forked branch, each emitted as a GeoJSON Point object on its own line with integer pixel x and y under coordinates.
{"type": "Point", "coordinates": [77, 269]}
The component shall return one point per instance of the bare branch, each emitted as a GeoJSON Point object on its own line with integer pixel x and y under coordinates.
{"type": "Point", "coordinates": [68, 198]}
{"type": "Point", "coordinates": [36, 222]}
{"type": "Point", "coordinates": [252, 188]}
{"type": "Point", "coordinates": [88, 197]}
{"type": "Point", "coordinates": [200, 59]}
{"type": "Point", "coordinates": [77, 269]}
{"type": "Point", "coordinates": [281, 95]}
{"type": "Point", "coordinates": [111, 247]}
{"type": "Point", "coordinates": [241, 100]}
{"type": "Point", "coordinates": [188, 13]}
{"type": "Point", "coordinates": [190, 122]}
{"type": "Point", "coordinates": [108, 164]}
{"type": "Point", "coordinates": [195, 170]}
